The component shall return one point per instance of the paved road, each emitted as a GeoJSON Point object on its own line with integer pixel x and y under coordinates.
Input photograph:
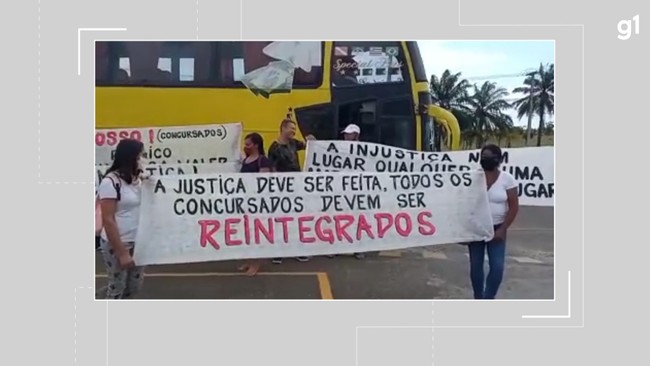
{"type": "Point", "coordinates": [439, 272]}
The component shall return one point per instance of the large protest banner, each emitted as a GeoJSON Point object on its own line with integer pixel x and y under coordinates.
{"type": "Point", "coordinates": [197, 218]}
{"type": "Point", "coordinates": [532, 167]}
{"type": "Point", "coordinates": [175, 145]}
{"type": "Point", "coordinates": [176, 169]}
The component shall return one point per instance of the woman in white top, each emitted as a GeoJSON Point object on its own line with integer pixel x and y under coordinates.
{"type": "Point", "coordinates": [504, 204]}
{"type": "Point", "coordinates": [119, 197]}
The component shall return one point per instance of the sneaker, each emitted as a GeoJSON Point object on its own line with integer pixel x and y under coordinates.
{"type": "Point", "coordinates": [359, 255]}
{"type": "Point", "coordinates": [302, 259]}
{"type": "Point", "coordinates": [277, 261]}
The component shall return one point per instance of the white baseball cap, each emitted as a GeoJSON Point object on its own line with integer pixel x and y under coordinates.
{"type": "Point", "coordinates": [352, 128]}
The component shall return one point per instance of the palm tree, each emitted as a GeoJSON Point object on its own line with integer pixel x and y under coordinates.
{"type": "Point", "coordinates": [542, 86]}
{"type": "Point", "coordinates": [487, 105]}
{"type": "Point", "coordinates": [450, 92]}
{"type": "Point", "coordinates": [549, 129]}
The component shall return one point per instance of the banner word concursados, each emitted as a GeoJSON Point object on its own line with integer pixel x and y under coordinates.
{"type": "Point", "coordinates": [532, 167]}
{"type": "Point", "coordinates": [201, 144]}
{"type": "Point", "coordinates": [151, 170]}
{"type": "Point", "coordinates": [198, 218]}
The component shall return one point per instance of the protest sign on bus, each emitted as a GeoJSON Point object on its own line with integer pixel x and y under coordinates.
{"type": "Point", "coordinates": [197, 218]}
{"type": "Point", "coordinates": [201, 144]}
{"type": "Point", "coordinates": [532, 167]}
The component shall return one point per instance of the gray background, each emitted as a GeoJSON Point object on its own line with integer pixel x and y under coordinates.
{"type": "Point", "coordinates": [48, 312]}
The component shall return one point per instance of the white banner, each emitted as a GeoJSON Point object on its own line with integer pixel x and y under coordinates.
{"type": "Point", "coordinates": [532, 167]}
{"type": "Point", "coordinates": [201, 144]}
{"type": "Point", "coordinates": [177, 169]}
{"type": "Point", "coordinates": [197, 218]}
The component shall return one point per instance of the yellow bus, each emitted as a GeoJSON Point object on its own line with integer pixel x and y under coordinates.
{"type": "Point", "coordinates": [323, 86]}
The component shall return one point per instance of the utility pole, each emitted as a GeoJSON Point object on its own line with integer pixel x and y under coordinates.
{"type": "Point", "coordinates": [530, 105]}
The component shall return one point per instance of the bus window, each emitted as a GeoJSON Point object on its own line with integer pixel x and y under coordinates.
{"type": "Point", "coordinates": [355, 63]}
{"type": "Point", "coordinates": [394, 132]}
{"type": "Point", "coordinates": [101, 61]}
{"type": "Point", "coordinates": [317, 120]}
{"type": "Point", "coordinates": [396, 124]}
{"type": "Point", "coordinates": [235, 59]}
{"type": "Point", "coordinates": [361, 113]}
{"type": "Point", "coordinates": [203, 64]}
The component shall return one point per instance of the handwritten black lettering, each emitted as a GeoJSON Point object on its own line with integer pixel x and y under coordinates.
{"type": "Point", "coordinates": [534, 190]}
{"type": "Point", "coordinates": [238, 205]}
{"type": "Point", "coordinates": [357, 202]}
{"type": "Point", "coordinates": [411, 200]}
{"type": "Point", "coordinates": [411, 181]}
{"type": "Point", "coordinates": [338, 162]}
{"type": "Point", "coordinates": [161, 169]}
{"type": "Point", "coordinates": [429, 167]}
{"type": "Point", "coordinates": [475, 157]}
{"type": "Point", "coordinates": [524, 172]}
{"type": "Point", "coordinates": [387, 152]}
{"type": "Point", "coordinates": [275, 184]}
{"type": "Point", "coordinates": [319, 183]}
{"type": "Point", "coordinates": [218, 186]}
{"type": "Point", "coordinates": [457, 180]}
{"type": "Point", "coordinates": [159, 187]}
{"type": "Point", "coordinates": [394, 166]}
{"type": "Point", "coordinates": [332, 147]}
{"type": "Point", "coordinates": [360, 183]}
{"type": "Point", "coordinates": [157, 153]}
{"type": "Point", "coordinates": [211, 160]}
{"type": "Point", "coordinates": [271, 205]}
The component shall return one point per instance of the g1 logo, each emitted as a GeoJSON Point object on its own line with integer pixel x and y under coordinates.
{"type": "Point", "coordinates": [625, 28]}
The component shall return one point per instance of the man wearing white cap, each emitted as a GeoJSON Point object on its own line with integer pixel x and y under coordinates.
{"type": "Point", "coordinates": [352, 133]}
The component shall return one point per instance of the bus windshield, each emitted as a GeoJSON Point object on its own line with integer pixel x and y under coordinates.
{"type": "Point", "coordinates": [355, 63]}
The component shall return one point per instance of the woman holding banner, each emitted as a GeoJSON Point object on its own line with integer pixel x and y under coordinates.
{"type": "Point", "coordinates": [504, 205]}
{"type": "Point", "coordinates": [119, 199]}
{"type": "Point", "coordinates": [255, 161]}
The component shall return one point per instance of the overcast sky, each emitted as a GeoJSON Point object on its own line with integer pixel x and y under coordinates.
{"type": "Point", "coordinates": [485, 58]}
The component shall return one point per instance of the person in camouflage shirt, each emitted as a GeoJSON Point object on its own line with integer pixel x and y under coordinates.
{"type": "Point", "coordinates": [283, 153]}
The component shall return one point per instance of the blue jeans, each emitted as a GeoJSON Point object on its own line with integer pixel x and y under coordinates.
{"type": "Point", "coordinates": [496, 251]}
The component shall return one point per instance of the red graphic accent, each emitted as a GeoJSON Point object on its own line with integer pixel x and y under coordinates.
{"type": "Point", "coordinates": [151, 136]}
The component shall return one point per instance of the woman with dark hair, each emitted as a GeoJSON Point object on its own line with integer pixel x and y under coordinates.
{"type": "Point", "coordinates": [504, 205]}
{"type": "Point", "coordinates": [119, 198]}
{"type": "Point", "coordinates": [255, 161]}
